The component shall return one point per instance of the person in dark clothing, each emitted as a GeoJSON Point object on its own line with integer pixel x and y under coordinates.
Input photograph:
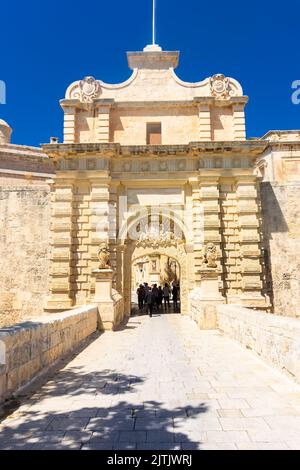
{"type": "Point", "coordinates": [149, 300]}
{"type": "Point", "coordinates": [159, 298]}
{"type": "Point", "coordinates": [166, 296]}
{"type": "Point", "coordinates": [175, 297]}
{"type": "Point", "coordinates": [141, 297]}
{"type": "Point", "coordinates": [155, 296]}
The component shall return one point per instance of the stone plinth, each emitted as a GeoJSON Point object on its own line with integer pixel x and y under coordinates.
{"type": "Point", "coordinates": [109, 301]}
{"type": "Point", "coordinates": [103, 286]}
{"type": "Point", "coordinates": [205, 298]}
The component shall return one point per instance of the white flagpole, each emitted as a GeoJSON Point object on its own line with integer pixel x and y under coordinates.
{"type": "Point", "coordinates": [153, 22]}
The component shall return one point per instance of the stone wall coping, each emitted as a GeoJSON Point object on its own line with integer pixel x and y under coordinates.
{"type": "Point", "coordinates": [274, 338]}
{"type": "Point", "coordinates": [261, 315]}
{"type": "Point", "coordinates": [23, 150]}
{"type": "Point", "coordinates": [28, 349]}
{"type": "Point", "coordinates": [44, 320]}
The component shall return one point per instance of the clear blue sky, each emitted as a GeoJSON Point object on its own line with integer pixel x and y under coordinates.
{"type": "Point", "coordinates": [45, 45]}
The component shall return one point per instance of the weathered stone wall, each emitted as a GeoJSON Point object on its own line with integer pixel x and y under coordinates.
{"type": "Point", "coordinates": [29, 348]}
{"type": "Point", "coordinates": [274, 338]}
{"type": "Point", "coordinates": [281, 241]}
{"type": "Point", "coordinates": [24, 247]}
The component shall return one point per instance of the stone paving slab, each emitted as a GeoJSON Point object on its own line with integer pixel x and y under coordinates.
{"type": "Point", "coordinates": [159, 384]}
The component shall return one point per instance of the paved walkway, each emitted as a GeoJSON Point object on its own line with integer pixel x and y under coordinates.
{"type": "Point", "coordinates": [159, 383]}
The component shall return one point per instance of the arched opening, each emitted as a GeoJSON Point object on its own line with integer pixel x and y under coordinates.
{"type": "Point", "coordinates": [161, 239]}
{"type": "Point", "coordinates": [160, 273]}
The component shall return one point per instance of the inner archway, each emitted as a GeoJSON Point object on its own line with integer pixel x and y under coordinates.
{"type": "Point", "coordinates": [165, 239]}
{"type": "Point", "coordinates": [161, 273]}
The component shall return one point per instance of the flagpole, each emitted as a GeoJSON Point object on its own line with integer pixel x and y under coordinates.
{"type": "Point", "coordinates": [153, 22]}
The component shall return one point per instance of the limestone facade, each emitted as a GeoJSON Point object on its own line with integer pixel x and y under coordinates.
{"type": "Point", "coordinates": [198, 170]}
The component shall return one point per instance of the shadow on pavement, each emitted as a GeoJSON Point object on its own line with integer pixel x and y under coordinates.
{"type": "Point", "coordinates": [99, 410]}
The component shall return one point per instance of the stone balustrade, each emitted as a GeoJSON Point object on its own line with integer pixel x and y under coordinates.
{"type": "Point", "coordinates": [27, 349]}
{"type": "Point", "coordinates": [276, 339]}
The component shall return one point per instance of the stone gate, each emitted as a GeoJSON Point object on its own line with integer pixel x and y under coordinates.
{"type": "Point", "coordinates": [155, 141]}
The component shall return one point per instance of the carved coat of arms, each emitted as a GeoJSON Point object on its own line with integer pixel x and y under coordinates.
{"type": "Point", "coordinates": [220, 86]}
{"type": "Point", "coordinates": [89, 89]}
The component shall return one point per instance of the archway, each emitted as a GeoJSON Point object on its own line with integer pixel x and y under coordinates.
{"type": "Point", "coordinates": [158, 242]}
{"type": "Point", "coordinates": [156, 269]}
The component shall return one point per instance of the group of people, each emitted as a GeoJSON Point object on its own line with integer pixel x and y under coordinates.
{"type": "Point", "coordinates": [153, 297]}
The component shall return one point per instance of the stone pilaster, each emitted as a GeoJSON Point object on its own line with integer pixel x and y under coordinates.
{"type": "Point", "coordinates": [112, 226]}
{"type": "Point", "coordinates": [102, 124]}
{"type": "Point", "coordinates": [81, 242]}
{"type": "Point", "coordinates": [61, 249]}
{"type": "Point", "coordinates": [69, 124]}
{"type": "Point", "coordinates": [198, 225]}
{"type": "Point", "coordinates": [204, 122]}
{"type": "Point", "coordinates": [99, 219]}
{"type": "Point", "coordinates": [230, 240]}
{"type": "Point", "coordinates": [239, 127]}
{"type": "Point", "coordinates": [249, 236]}
{"type": "Point", "coordinates": [209, 199]}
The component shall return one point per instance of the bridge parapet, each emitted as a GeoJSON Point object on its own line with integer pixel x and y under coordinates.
{"type": "Point", "coordinates": [275, 338]}
{"type": "Point", "coordinates": [30, 348]}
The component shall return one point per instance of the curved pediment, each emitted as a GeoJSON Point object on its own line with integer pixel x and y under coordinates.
{"type": "Point", "coordinates": [154, 79]}
{"type": "Point", "coordinates": [89, 88]}
{"type": "Point", "coordinates": [154, 100]}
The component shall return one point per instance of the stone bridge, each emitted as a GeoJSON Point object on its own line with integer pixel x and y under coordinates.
{"type": "Point", "coordinates": [154, 383]}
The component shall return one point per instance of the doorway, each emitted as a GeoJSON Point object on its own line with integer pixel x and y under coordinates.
{"type": "Point", "coordinates": [161, 273]}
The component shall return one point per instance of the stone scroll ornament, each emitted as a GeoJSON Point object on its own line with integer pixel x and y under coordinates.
{"type": "Point", "coordinates": [103, 255]}
{"type": "Point", "coordinates": [220, 86]}
{"type": "Point", "coordinates": [89, 89]}
{"type": "Point", "coordinates": [210, 255]}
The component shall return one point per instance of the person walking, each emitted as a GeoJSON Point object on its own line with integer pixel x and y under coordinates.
{"type": "Point", "coordinates": [159, 297]}
{"type": "Point", "coordinates": [149, 302]}
{"type": "Point", "coordinates": [155, 296]}
{"type": "Point", "coordinates": [146, 287]}
{"type": "Point", "coordinates": [141, 296]}
{"type": "Point", "coordinates": [166, 296]}
{"type": "Point", "coordinates": [175, 297]}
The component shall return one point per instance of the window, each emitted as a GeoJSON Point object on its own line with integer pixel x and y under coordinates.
{"type": "Point", "coordinates": [153, 133]}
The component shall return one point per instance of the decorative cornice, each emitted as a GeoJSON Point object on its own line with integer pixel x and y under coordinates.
{"type": "Point", "coordinates": [253, 147]}
{"type": "Point", "coordinates": [21, 159]}
{"type": "Point", "coordinates": [195, 102]}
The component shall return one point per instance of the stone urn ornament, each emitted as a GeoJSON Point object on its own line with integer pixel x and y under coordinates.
{"type": "Point", "coordinates": [103, 255]}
